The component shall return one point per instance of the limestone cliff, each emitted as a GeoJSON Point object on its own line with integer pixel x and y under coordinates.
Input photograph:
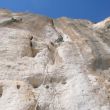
{"type": "Point", "coordinates": [53, 64]}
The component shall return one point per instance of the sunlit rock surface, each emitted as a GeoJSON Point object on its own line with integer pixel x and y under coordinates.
{"type": "Point", "coordinates": [53, 64]}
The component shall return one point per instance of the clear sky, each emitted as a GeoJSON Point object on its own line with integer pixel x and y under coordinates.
{"type": "Point", "coordinates": [94, 10]}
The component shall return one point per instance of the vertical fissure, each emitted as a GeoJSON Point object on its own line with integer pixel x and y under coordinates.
{"type": "Point", "coordinates": [60, 37]}
{"type": "Point", "coordinates": [1, 91]}
{"type": "Point", "coordinates": [34, 51]}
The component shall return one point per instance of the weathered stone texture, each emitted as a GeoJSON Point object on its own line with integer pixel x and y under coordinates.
{"type": "Point", "coordinates": [53, 64]}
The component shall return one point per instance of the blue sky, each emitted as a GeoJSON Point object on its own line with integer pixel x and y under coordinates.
{"type": "Point", "coordinates": [94, 10]}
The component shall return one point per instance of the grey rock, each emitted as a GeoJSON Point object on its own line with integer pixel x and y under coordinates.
{"type": "Point", "coordinates": [53, 64]}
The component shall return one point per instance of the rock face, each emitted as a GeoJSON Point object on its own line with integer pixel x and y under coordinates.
{"type": "Point", "coordinates": [53, 64]}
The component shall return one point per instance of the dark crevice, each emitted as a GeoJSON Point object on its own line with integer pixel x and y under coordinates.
{"type": "Point", "coordinates": [52, 44]}
{"type": "Point", "coordinates": [34, 86]}
{"type": "Point", "coordinates": [31, 41]}
{"type": "Point", "coordinates": [35, 81]}
{"type": "Point", "coordinates": [31, 38]}
{"type": "Point", "coordinates": [18, 86]}
{"type": "Point", "coordinates": [1, 90]}
{"type": "Point", "coordinates": [34, 51]}
{"type": "Point", "coordinates": [38, 108]}
{"type": "Point", "coordinates": [47, 87]}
